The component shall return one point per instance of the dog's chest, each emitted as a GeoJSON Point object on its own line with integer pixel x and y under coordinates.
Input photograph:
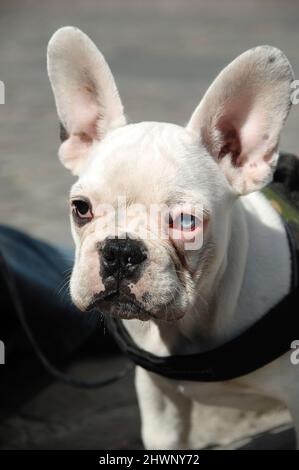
{"type": "Point", "coordinates": [231, 394]}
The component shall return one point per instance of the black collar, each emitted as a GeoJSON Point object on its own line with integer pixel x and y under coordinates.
{"type": "Point", "coordinates": [266, 340]}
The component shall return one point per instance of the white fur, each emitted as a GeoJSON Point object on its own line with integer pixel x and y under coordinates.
{"type": "Point", "coordinates": [228, 149]}
{"type": "Point", "coordinates": [86, 96]}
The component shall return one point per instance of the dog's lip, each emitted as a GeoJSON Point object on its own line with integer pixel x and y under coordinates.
{"type": "Point", "coordinates": [106, 298]}
{"type": "Point", "coordinates": [100, 299]}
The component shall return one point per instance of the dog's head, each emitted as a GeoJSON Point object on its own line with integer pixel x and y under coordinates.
{"type": "Point", "coordinates": [150, 211]}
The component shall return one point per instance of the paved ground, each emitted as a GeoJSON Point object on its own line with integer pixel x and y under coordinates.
{"type": "Point", "coordinates": [164, 54]}
{"type": "Point", "coordinates": [61, 417]}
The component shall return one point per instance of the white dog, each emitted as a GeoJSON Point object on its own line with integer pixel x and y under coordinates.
{"type": "Point", "coordinates": [174, 300]}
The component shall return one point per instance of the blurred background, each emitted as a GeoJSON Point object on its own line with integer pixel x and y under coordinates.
{"type": "Point", "coordinates": [163, 54]}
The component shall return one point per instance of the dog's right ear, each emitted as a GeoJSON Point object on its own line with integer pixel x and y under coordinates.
{"type": "Point", "coordinates": [87, 99]}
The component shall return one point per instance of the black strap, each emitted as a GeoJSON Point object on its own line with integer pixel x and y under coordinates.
{"type": "Point", "coordinates": [263, 342]}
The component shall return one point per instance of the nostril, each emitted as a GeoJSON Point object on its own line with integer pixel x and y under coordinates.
{"type": "Point", "coordinates": [133, 254]}
{"type": "Point", "coordinates": [136, 258]}
{"type": "Point", "coordinates": [110, 253]}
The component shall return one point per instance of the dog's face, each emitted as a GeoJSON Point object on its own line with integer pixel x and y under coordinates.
{"type": "Point", "coordinates": [151, 209]}
{"type": "Point", "coordinates": [135, 253]}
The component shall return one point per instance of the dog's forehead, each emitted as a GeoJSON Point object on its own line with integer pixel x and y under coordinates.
{"type": "Point", "coordinates": [148, 143]}
{"type": "Point", "coordinates": [140, 161]}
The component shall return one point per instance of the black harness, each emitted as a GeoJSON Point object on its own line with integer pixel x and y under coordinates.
{"type": "Point", "coordinates": [266, 340]}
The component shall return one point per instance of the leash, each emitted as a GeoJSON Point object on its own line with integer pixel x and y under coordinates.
{"type": "Point", "coordinates": [50, 368]}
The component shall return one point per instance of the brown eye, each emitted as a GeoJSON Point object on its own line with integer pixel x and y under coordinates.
{"type": "Point", "coordinates": [82, 210]}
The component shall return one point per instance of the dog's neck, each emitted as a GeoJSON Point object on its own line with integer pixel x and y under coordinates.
{"type": "Point", "coordinates": [243, 284]}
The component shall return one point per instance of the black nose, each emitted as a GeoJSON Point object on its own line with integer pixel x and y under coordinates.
{"type": "Point", "coordinates": [122, 256]}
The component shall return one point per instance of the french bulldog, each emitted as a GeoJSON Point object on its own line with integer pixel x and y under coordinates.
{"type": "Point", "coordinates": [217, 257]}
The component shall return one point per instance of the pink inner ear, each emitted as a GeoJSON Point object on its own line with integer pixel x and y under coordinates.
{"type": "Point", "coordinates": [256, 135]}
{"type": "Point", "coordinates": [81, 124]}
{"type": "Point", "coordinates": [244, 136]}
{"type": "Point", "coordinates": [83, 115]}
{"type": "Point", "coordinates": [230, 142]}
{"type": "Point", "coordinates": [85, 122]}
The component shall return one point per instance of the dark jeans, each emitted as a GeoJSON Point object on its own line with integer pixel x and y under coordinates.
{"type": "Point", "coordinates": [41, 274]}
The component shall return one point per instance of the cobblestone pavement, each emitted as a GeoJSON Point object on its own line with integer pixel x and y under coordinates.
{"type": "Point", "coordinates": [164, 54]}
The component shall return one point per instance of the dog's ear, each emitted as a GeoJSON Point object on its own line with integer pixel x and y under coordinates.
{"type": "Point", "coordinates": [87, 100]}
{"type": "Point", "coordinates": [240, 117]}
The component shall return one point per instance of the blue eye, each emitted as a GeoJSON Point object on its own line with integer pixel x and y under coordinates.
{"type": "Point", "coordinates": [188, 222]}
{"type": "Point", "coordinates": [184, 222]}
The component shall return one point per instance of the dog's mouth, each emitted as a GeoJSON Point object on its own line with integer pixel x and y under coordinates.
{"type": "Point", "coordinates": [119, 304]}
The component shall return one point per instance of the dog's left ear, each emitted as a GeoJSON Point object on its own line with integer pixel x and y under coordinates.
{"type": "Point", "coordinates": [240, 117]}
{"type": "Point", "coordinates": [87, 100]}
